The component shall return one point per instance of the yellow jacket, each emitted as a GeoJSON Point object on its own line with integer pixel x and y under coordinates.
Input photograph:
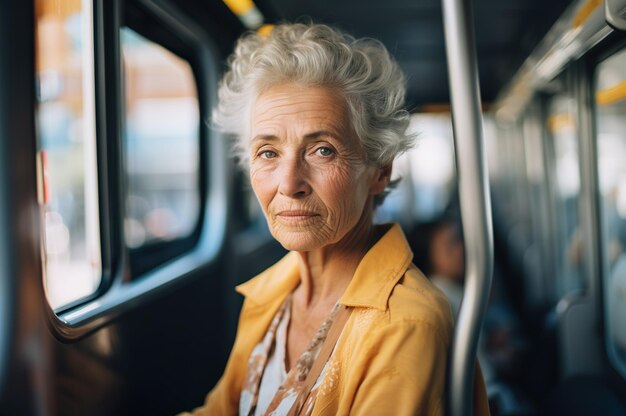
{"type": "Point", "coordinates": [391, 357]}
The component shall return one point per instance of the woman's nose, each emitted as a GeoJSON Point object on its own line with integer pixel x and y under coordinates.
{"type": "Point", "coordinates": [292, 178]}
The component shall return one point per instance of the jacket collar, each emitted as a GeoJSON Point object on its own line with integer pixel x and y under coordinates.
{"type": "Point", "coordinates": [274, 283]}
{"type": "Point", "coordinates": [374, 279]}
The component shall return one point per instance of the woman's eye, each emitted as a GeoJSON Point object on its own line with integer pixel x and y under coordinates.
{"type": "Point", "coordinates": [325, 151]}
{"type": "Point", "coordinates": [268, 154]}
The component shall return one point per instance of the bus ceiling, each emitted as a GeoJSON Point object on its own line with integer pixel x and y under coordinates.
{"type": "Point", "coordinates": [413, 32]}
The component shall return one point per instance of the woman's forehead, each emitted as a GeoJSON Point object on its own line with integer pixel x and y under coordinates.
{"type": "Point", "coordinates": [317, 108]}
{"type": "Point", "coordinates": [295, 96]}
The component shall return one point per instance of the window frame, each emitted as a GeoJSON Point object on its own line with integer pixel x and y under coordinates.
{"type": "Point", "coordinates": [91, 108]}
{"type": "Point", "coordinates": [153, 254]}
{"type": "Point", "coordinates": [613, 46]}
{"type": "Point", "coordinates": [118, 292]}
{"type": "Point", "coordinates": [537, 257]}
{"type": "Point", "coordinates": [566, 85]}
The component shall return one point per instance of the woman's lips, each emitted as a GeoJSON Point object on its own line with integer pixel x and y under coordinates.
{"type": "Point", "coordinates": [296, 215]}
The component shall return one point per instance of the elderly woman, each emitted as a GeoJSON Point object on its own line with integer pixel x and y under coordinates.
{"type": "Point", "coordinates": [344, 323]}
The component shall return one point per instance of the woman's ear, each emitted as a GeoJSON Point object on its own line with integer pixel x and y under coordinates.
{"type": "Point", "coordinates": [382, 177]}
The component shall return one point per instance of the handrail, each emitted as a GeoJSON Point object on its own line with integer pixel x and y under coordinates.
{"type": "Point", "coordinates": [475, 201]}
{"type": "Point", "coordinates": [615, 14]}
{"type": "Point", "coordinates": [581, 26]}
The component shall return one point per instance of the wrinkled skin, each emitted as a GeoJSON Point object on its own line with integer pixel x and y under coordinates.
{"type": "Point", "coordinates": [307, 167]}
{"type": "Point", "coordinates": [309, 172]}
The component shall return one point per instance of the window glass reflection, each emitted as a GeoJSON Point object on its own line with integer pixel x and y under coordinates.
{"type": "Point", "coordinates": [161, 143]}
{"type": "Point", "coordinates": [67, 155]}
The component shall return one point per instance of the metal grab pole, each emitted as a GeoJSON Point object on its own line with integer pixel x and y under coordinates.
{"type": "Point", "coordinates": [475, 202]}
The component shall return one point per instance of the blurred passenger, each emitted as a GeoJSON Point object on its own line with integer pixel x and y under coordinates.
{"type": "Point", "coordinates": [439, 254]}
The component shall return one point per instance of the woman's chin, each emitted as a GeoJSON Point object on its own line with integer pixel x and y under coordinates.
{"type": "Point", "coordinates": [299, 241]}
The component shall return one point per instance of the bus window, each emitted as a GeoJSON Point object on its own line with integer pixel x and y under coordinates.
{"type": "Point", "coordinates": [610, 96]}
{"type": "Point", "coordinates": [505, 184]}
{"type": "Point", "coordinates": [427, 173]}
{"type": "Point", "coordinates": [538, 258]}
{"type": "Point", "coordinates": [162, 143]}
{"type": "Point", "coordinates": [518, 185]}
{"type": "Point", "coordinates": [561, 128]}
{"type": "Point", "coordinates": [67, 150]}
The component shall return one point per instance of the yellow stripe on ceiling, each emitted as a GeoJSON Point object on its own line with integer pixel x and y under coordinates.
{"type": "Point", "coordinates": [587, 10]}
{"type": "Point", "coordinates": [240, 7]}
{"type": "Point", "coordinates": [446, 108]}
{"type": "Point", "coordinates": [559, 122]}
{"type": "Point", "coordinates": [612, 95]}
{"type": "Point", "coordinates": [265, 30]}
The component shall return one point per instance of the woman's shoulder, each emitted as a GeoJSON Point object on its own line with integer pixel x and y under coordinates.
{"type": "Point", "coordinates": [416, 300]}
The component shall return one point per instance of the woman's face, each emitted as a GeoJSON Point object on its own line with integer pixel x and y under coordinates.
{"type": "Point", "coordinates": [308, 168]}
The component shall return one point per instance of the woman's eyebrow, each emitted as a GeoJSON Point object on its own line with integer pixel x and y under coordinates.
{"type": "Point", "coordinates": [309, 136]}
{"type": "Point", "coordinates": [264, 137]}
{"type": "Point", "coordinates": [321, 133]}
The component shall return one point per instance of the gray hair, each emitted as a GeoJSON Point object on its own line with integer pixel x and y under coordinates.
{"type": "Point", "coordinates": [313, 54]}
